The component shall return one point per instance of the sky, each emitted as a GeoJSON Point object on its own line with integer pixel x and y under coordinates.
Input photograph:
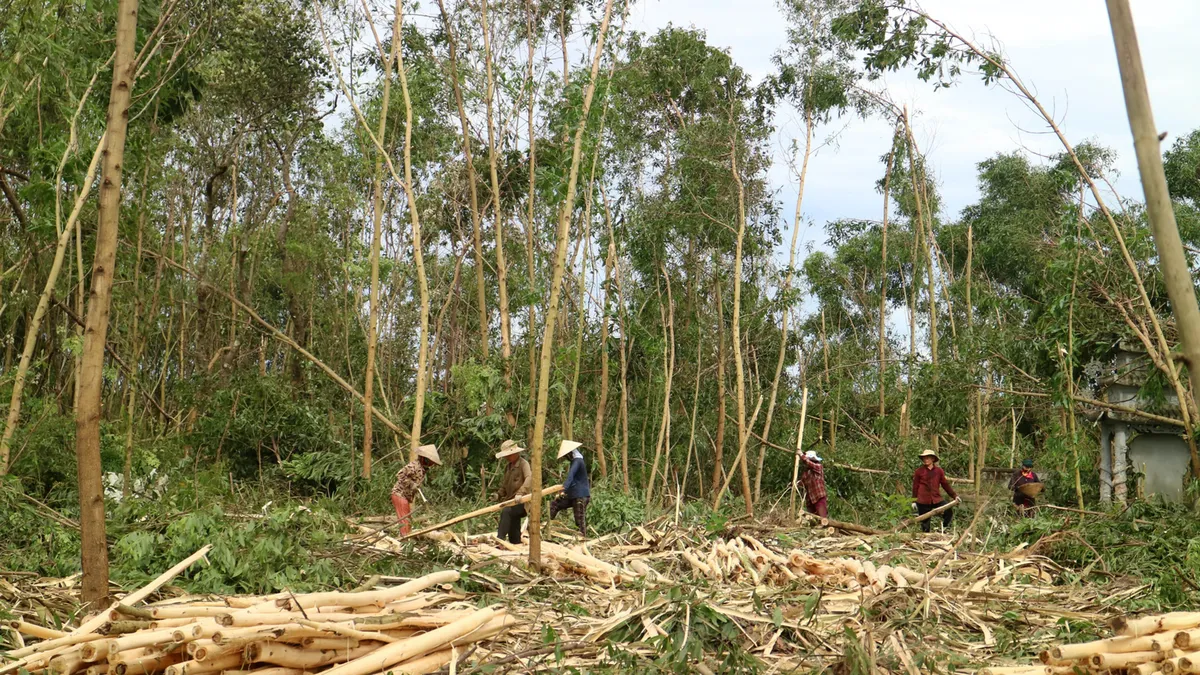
{"type": "Point", "coordinates": [1062, 49]}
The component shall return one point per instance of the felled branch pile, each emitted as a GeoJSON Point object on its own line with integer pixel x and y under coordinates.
{"type": "Point", "coordinates": [411, 628]}
{"type": "Point", "coordinates": [1166, 644]}
{"type": "Point", "coordinates": [558, 561]}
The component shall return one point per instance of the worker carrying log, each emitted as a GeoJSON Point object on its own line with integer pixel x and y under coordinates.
{"type": "Point", "coordinates": [408, 482]}
{"type": "Point", "coordinates": [577, 489]}
{"type": "Point", "coordinates": [1025, 486]}
{"type": "Point", "coordinates": [518, 479]}
{"type": "Point", "coordinates": [928, 481]}
{"type": "Point", "coordinates": [815, 496]}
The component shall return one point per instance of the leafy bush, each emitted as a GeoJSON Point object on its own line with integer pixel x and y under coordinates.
{"type": "Point", "coordinates": [613, 511]}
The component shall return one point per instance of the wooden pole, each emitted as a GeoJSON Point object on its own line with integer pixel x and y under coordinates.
{"type": "Point", "coordinates": [799, 443]}
{"type": "Point", "coordinates": [481, 512]}
{"type": "Point", "coordinates": [1159, 208]}
{"type": "Point", "coordinates": [926, 516]}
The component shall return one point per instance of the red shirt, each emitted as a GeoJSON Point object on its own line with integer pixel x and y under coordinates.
{"type": "Point", "coordinates": [926, 482]}
{"type": "Point", "coordinates": [814, 481]}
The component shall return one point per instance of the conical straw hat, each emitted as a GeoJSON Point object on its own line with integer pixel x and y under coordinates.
{"type": "Point", "coordinates": [566, 448]}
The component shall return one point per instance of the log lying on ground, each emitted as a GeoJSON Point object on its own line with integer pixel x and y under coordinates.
{"type": "Point", "coordinates": [1142, 646]}
{"type": "Point", "coordinates": [840, 525]}
{"type": "Point", "coordinates": [481, 512]}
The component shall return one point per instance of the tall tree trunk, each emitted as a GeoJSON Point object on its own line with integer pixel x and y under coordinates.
{"type": "Point", "coordinates": [602, 399]}
{"type": "Point", "coordinates": [131, 378]}
{"type": "Point", "coordinates": [664, 427]}
{"type": "Point", "coordinates": [719, 441]}
{"type": "Point", "coordinates": [887, 181]}
{"type": "Point", "coordinates": [739, 368]}
{"type": "Point", "coordinates": [560, 259]}
{"type": "Point", "coordinates": [623, 343]}
{"type": "Point", "coordinates": [376, 244]}
{"type": "Point", "coordinates": [93, 544]}
{"type": "Point", "coordinates": [924, 222]}
{"type": "Point", "coordinates": [687, 464]}
{"type": "Point", "coordinates": [35, 322]}
{"type": "Point", "coordinates": [469, 162]}
{"type": "Point", "coordinates": [1160, 211]}
{"type": "Point", "coordinates": [497, 210]}
{"type": "Point", "coordinates": [530, 259]}
{"type": "Point", "coordinates": [783, 321]}
{"type": "Point", "coordinates": [414, 214]}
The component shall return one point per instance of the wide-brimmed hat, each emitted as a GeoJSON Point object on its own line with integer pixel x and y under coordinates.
{"type": "Point", "coordinates": [929, 453]}
{"type": "Point", "coordinates": [509, 447]}
{"type": "Point", "coordinates": [430, 453]}
{"type": "Point", "coordinates": [566, 448]}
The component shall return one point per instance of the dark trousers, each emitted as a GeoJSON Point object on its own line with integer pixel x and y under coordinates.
{"type": "Point", "coordinates": [947, 515]}
{"type": "Point", "coordinates": [578, 505]}
{"type": "Point", "coordinates": [1024, 505]}
{"type": "Point", "coordinates": [819, 507]}
{"type": "Point", "coordinates": [510, 523]}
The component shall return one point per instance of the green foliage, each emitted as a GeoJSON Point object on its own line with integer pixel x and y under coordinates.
{"type": "Point", "coordinates": [614, 511]}
{"type": "Point", "coordinates": [695, 632]}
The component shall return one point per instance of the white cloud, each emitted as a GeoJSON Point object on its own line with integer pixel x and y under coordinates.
{"type": "Point", "coordinates": [1061, 48]}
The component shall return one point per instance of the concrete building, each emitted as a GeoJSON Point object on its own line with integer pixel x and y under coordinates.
{"type": "Point", "coordinates": [1133, 445]}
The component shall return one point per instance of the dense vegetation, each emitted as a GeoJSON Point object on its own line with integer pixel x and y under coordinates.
{"type": "Point", "coordinates": [276, 337]}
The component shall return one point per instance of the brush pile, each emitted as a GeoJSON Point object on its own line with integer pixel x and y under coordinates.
{"type": "Point", "coordinates": [1166, 644]}
{"type": "Point", "coordinates": [411, 628]}
{"type": "Point", "coordinates": [794, 597]}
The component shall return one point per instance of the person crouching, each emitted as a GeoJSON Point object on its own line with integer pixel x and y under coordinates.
{"type": "Point", "coordinates": [408, 483]}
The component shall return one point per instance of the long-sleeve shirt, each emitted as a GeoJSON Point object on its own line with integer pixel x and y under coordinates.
{"type": "Point", "coordinates": [577, 484]}
{"type": "Point", "coordinates": [926, 482]}
{"type": "Point", "coordinates": [409, 479]}
{"type": "Point", "coordinates": [813, 481]}
{"type": "Point", "coordinates": [1018, 479]}
{"type": "Point", "coordinates": [518, 479]}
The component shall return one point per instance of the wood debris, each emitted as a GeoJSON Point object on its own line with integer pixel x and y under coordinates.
{"type": "Point", "coordinates": [792, 597]}
{"type": "Point", "coordinates": [417, 627]}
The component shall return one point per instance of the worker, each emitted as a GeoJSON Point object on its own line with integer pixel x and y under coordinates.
{"type": "Point", "coordinates": [408, 482]}
{"type": "Point", "coordinates": [518, 478]}
{"type": "Point", "coordinates": [928, 481]}
{"type": "Point", "coordinates": [1023, 476]}
{"type": "Point", "coordinates": [815, 496]}
{"type": "Point", "coordinates": [577, 489]}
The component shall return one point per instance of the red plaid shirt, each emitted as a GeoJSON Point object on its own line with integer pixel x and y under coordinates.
{"type": "Point", "coordinates": [814, 481]}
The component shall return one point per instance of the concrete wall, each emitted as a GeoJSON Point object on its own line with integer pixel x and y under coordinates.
{"type": "Point", "coordinates": [1163, 459]}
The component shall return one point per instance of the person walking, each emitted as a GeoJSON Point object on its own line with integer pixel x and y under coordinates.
{"type": "Point", "coordinates": [928, 481]}
{"type": "Point", "coordinates": [408, 483]}
{"type": "Point", "coordinates": [517, 480]}
{"type": "Point", "coordinates": [815, 497]}
{"type": "Point", "coordinates": [1020, 477]}
{"type": "Point", "coordinates": [577, 489]}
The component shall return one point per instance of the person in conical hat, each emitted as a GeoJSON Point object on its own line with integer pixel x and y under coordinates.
{"type": "Point", "coordinates": [517, 480]}
{"type": "Point", "coordinates": [928, 481]}
{"type": "Point", "coordinates": [577, 489]}
{"type": "Point", "coordinates": [816, 498]}
{"type": "Point", "coordinates": [408, 482]}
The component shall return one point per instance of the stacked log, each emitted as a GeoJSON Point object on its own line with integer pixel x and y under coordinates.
{"type": "Point", "coordinates": [399, 629]}
{"type": "Point", "coordinates": [1163, 644]}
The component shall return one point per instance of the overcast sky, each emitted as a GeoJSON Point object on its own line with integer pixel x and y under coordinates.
{"type": "Point", "coordinates": [1062, 49]}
